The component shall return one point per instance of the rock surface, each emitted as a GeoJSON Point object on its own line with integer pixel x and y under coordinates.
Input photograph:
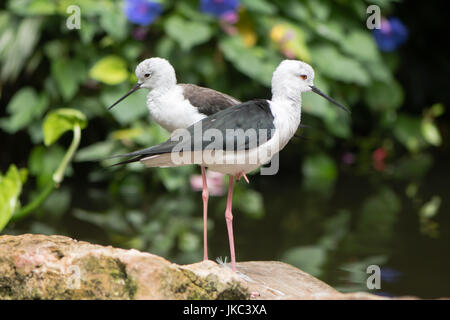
{"type": "Point", "coordinates": [57, 267]}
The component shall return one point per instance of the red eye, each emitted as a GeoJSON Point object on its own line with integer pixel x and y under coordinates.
{"type": "Point", "coordinates": [304, 76]}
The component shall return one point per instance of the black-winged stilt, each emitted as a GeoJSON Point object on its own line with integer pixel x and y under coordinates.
{"type": "Point", "coordinates": [175, 106]}
{"type": "Point", "coordinates": [252, 133]}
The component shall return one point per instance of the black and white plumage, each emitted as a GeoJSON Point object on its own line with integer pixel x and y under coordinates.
{"type": "Point", "coordinates": [279, 118]}
{"type": "Point", "coordinates": [270, 123]}
{"type": "Point", "coordinates": [254, 114]}
{"type": "Point", "coordinates": [171, 105]}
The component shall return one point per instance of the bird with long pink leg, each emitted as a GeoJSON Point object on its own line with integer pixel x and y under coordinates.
{"type": "Point", "coordinates": [241, 138]}
{"type": "Point", "coordinates": [174, 106]}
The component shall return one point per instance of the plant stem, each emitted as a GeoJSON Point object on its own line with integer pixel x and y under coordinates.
{"type": "Point", "coordinates": [57, 178]}
{"type": "Point", "coordinates": [24, 211]}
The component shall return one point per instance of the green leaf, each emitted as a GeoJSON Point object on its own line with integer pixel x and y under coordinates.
{"type": "Point", "coordinates": [330, 62]}
{"type": "Point", "coordinates": [10, 188]}
{"type": "Point", "coordinates": [187, 33]}
{"type": "Point", "coordinates": [115, 23]}
{"type": "Point", "coordinates": [25, 107]}
{"type": "Point", "coordinates": [68, 74]}
{"type": "Point", "coordinates": [383, 96]}
{"type": "Point", "coordinates": [260, 6]}
{"type": "Point", "coordinates": [408, 131]}
{"type": "Point", "coordinates": [253, 62]}
{"type": "Point", "coordinates": [110, 70]}
{"type": "Point", "coordinates": [32, 7]}
{"type": "Point", "coordinates": [361, 45]}
{"type": "Point", "coordinates": [431, 133]}
{"type": "Point", "coordinates": [430, 209]}
{"type": "Point", "coordinates": [57, 122]}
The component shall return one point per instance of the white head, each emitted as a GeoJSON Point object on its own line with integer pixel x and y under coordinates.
{"type": "Point", "coordinates": [293, 77]}
{"type": "Point", "coordinates": [155, 73]}
{"type": "Point", "coordinates": [152, 73]}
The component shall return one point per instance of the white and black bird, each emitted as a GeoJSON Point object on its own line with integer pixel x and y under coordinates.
{"type": "Point", "coordinates": [177, 106]}
{"type": "Point", "coordinates": [274, 121]}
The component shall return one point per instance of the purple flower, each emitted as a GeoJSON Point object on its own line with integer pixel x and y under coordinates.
{"type": "Point", "coordinates": [390, 275]}
{"type": "Point", "coordinates": [219, 8]}
{"type": "Point", "coordinates": [142, 12]}
{"type": "Point", "coordinates": [391, 35]}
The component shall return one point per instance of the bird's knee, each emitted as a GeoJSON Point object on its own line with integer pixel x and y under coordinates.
{"type": "Point", "coordinates": [205, 194]}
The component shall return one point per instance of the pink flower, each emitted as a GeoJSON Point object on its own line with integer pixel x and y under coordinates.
{"type": "Point", "coordinates": [378, 159]}
{"type": "Point", "coordinates": [214, 180]}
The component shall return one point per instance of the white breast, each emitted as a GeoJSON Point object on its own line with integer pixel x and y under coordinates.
{"type": "Point", "coordinates": [171, 110]}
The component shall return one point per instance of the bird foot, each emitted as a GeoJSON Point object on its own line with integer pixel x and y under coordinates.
{"type": "Point", "coordinates": [254, 294]}
{"type": "Point", "coordinates": [242, 175]}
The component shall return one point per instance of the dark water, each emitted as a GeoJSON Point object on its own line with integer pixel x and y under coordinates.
{"type": "Point", "coordinates": [414, 263]}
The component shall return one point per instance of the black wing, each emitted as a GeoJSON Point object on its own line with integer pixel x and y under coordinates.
{"type": "Point", "coordinates": [254, 115]}
{"type": "Point", "coordinates": [208, 101]}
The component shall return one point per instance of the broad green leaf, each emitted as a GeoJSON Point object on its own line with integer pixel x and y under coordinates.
{"type": "Point", "coordinates": [253, 62]}
{"type": "Point", "coordinates": [383, 96]}
{"type": "Point", "coordinates": [25, 107]}
{"type": "Point", "coordinates": [32, 7]}
{"type": "Point", "coordinates": [320, 9]}
{"type": "Point", "coordinates": [330, 62]}
{"type": "Point", "coordinates": [110, 70]}
{"type": "Point", "coordinates": [18, 45]}
{"type": "Point", "coordinates": [187, 33]}
{"type": "Point", "coordinates": [408, 131]}
{"type": "Point", "coordinates": [68, 74]}
{"type": "Point", "coordinates": [43, 161]}
{"type": "Point", "coordinates": [10, 189]}
{"type": "Point", "coordinates": [431, 133]}
{"type": "Point", "coordinates": [57, 122]}
{"type": "Point", "coordinates": [115, 23]}
{"type": "Point", "coordinates": [260, 6]}
{"type": "Point", "coordinates": [360, 44]}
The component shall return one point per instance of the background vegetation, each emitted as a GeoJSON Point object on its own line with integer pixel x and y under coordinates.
{"type": "Point", "coordinates": [360, 190]}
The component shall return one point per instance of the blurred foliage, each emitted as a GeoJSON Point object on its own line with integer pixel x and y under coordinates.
{"type": "Point", "coordinates": [48, 66]}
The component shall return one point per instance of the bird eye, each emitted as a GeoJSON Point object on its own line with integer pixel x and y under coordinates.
{"type": "Point", "coordinates": [304, 76]}
{"type": "Point", "coordinates": [147, 75]}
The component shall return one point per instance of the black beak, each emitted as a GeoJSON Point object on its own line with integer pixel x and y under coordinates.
{"type": "Point", "coordinates": [320, 93]}
{"type": "Point", "coordinates": [135, 88]}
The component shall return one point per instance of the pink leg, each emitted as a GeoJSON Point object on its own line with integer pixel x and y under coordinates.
{"type": "Point", "coordinates": [205, 196]}
{"type": "Point", "coordinates": [240, 175]}
{"type": "Point", "coordinates": [229, 220]}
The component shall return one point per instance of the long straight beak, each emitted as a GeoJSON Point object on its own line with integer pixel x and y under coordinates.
{"type": "Point", "coordinates": [135, 88]}
{"type": "Point", "coordinates": [320, 93]}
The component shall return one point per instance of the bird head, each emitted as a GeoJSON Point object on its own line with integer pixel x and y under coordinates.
{"type": "Point", "coordinates": [293, 77]}
{"type": "Point", "coordinates": [151, 74]}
